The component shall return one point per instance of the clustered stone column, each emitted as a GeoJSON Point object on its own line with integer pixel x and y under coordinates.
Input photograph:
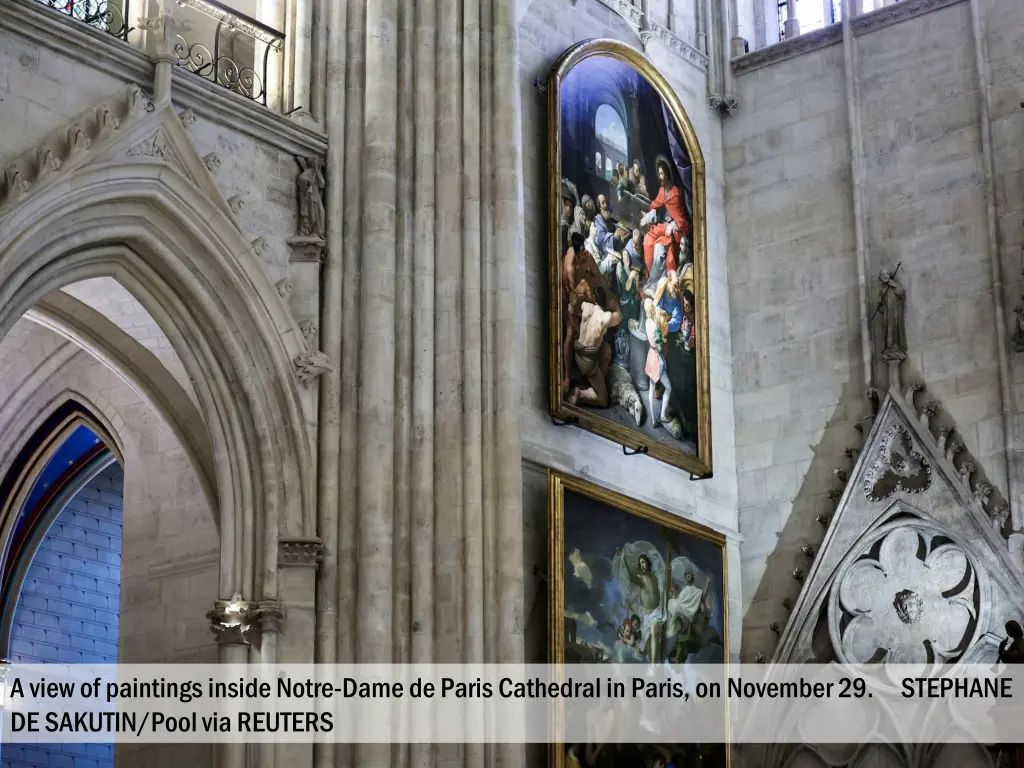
{"type": "Point", "coordinates": [420, 473]}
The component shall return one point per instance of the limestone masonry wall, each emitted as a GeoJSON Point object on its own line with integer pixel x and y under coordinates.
{"type": "Point", "coordinates": [798, 364]}
{"type": "Point", "coordinates": [548, 28]}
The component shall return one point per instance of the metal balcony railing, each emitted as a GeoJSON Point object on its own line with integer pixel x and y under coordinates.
{"type": "Point", "coordinates": [242, 49]}
{"type": "Point", "coordinates": [112, 17]}
{"type": "Point", "coordinates": [223, 46]}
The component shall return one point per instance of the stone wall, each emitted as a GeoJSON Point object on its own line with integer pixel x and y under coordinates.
{"type": "Point", "coordinates": [796, 313]}
{"type": "Point", "coordinates": [43, 90]}
{"type": "Point", "coordinates": [548, 28]}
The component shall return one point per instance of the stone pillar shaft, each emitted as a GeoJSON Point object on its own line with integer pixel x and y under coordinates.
{"type": "Point", "coordinates": [427, 231]}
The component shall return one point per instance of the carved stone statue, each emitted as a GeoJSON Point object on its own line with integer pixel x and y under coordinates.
{"type": "Point", "coordinates": [894, 344]}
{"type": "Point", "coordinates": [311, 183]}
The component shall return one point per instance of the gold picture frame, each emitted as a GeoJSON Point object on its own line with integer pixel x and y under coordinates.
{"type": "Point", "coordinates": [599, 518]}
{"type": "Point", "coordinates": [618, 413]}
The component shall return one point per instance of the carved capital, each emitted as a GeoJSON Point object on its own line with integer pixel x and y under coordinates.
{"type": "Point", "coordinates": [301, 552]}
{"type": "Point", "coordinates": [270, 617]}
{"type": "Point", "coordinates": [234, 620]}
{"type": "Point", "coordinates": [244, 622]}
{"type": "Point", "coordinates": [310, 365]}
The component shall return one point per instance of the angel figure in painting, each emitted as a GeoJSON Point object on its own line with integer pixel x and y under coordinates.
{"type": "Point", "coordinates": [311, 183]}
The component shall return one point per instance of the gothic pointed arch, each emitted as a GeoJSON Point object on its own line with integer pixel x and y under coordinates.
{"type": "Point", "coordinates": [122, 193]}
{"type": "Point", "coordinates": [67, 450]}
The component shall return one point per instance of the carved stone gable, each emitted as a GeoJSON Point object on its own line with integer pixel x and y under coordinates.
{"type": "Point", "coordinates": [911, 568]}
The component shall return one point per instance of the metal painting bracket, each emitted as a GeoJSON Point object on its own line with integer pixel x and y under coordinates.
{"type": "Point", "coordinates": [641, 451]}
{"type": "Point", "coordinates": [708, 476]}
{"type": "Point", "coordinates": [568, 422]}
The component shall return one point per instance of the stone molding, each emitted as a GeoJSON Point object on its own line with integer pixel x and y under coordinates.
{"type": "Point", "coordinates": [300, 552]}
{"type": "Point", "coordinates": [788, 49]}
{"type": "Point", "coordinates": [830, 35]}
{"type": "Point", "coordinates": [652, 30]}
{"type": "Point", "coordinates": [98, 50]}
{"type": "Point", "coordinates": [894, 14]}
{"type": "Point", "coordinates": [674, 43]}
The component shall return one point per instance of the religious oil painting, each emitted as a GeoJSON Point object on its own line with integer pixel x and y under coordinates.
{"type": "Point", "coordinates": [631, 584]}
{"type": "Point", "coordinates": [628, 256]}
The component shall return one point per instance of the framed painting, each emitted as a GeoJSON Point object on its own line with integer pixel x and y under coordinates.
{"type": "Point", "coordinates": [631, 584]}
{"type": "Point", "coordinates": [628, 247]}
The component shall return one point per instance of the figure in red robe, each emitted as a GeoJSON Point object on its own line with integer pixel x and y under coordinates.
{"type": "Point", "coordinates": [670, 231]}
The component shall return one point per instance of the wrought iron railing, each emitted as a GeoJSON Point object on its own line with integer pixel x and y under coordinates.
{"type": "Point", "coordinates": [109, 16]}
{"type": "Point", "coordinates": [237, 40]}
{"type": "Point", "coordinates": [229, 48]}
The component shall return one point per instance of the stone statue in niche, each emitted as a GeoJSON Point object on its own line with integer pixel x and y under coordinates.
{"type": "Point", "coordinates": [311, 183]}
{"type": "Point", "coordinates": [894, 346]}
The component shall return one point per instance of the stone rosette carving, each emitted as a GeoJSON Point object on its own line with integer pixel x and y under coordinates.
{"type": "Point", "coordinates": [300, 552]}
{"type": "Point", "coordinates": [311, 365]}
{"type": "Point", "coordinates": [914, 602]}
{"type": "Point", "coordinates": [897, 467]}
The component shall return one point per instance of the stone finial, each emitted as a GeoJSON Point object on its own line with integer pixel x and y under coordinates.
{"type": "Point", "coordinates": [48, 163]}
{"type": "Point", "coordinates": [310, 365]}
{"type": "Point", "coordinates": [851, 453]}
{"type": "Point", "coordinates": [798, 573]}
{"type": "Point", "coordinates": [912, 389]}
{"type": "Point", "coordinates": [237, 203]}
{"type": "Point", "coordinates": [943, 438]}
{"type": "Point", "coordinates": [760, 658]}
{"type": "Point", "coordinates": [15, 185]}
{"type": "Point", "coordinates": [188, 118]}
{"type": "Point", "coordinates": [138, 103]}
{"type": "Point", "coordinates": [106, 123]}
{"type": "Point", "coordinates": [822, 520]}
{"type": "Point", "coordinates": [807, 550]}
{"type": "Point", "coordinates": [284, 288]}
{"type": "Point", "coordinates": [775, 628]}
{"type": "Point", "coordinates": [928, 412]}
{"type": "Point", "coordinates": [965, 471]}
{"type": "Point", "coordinates": [841, 474]}
{"type": "Point", "coordinates": [77, 141]}
{"type": "Point", "coordinates": [834, 494]}
{"type": "Point", "coordinates": [212, 161]}
{"type": "Point", "coordinates": [787, 603]}
{"type": "Point", "coordinates": [300, 552]}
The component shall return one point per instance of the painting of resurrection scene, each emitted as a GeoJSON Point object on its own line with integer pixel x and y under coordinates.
{"type": "Point", "coordinates": [632, 585]}
{"type": "Point", "coordinates": [629, 315]}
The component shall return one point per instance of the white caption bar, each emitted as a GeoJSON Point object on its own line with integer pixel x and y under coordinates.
{"type": "Point", "coordinates": [704, 704]}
